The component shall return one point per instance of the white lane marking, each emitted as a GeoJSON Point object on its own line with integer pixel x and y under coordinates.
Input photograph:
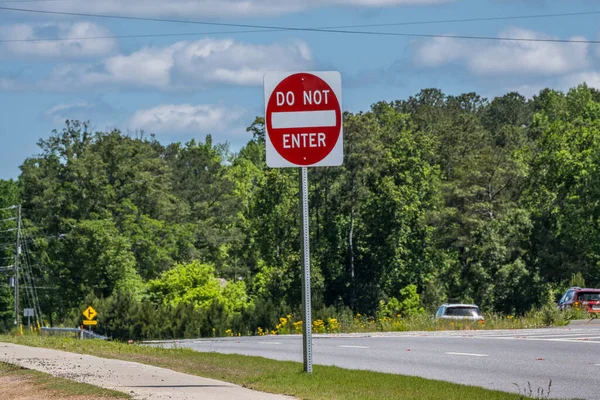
{"type": "Point", "coordinates": [467, 354]}
{"type": "Point", "coordinates": [303, 119]}
{"type": "Point", "coordinates": [597, 365]}
{"type": "Point", "coordinates": [269, 342]}
{"type": "Point", "coordinates": [355, 347]}
{"type": "Point", "coordinates": [566, 336]}
{"type": "Point", "coordinates": [544, 340]}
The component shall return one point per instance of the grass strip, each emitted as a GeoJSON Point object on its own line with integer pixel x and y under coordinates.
{"type": "Point", "coordinates": [283, 377]}
{"type": "Point", "coordinates": [60, 386]}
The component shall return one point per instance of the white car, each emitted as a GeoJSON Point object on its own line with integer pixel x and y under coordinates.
{"type": "Point", "coordinates": [469, 312]}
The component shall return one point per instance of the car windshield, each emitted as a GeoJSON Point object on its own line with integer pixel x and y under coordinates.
{"type": "Point", "coordinates": [588, 296]}
{"type": "Point", "coordinates": [463, 311]}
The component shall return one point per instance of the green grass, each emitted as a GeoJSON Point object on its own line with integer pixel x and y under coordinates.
{"type": "Point", "coordinates": [61, 386]}
{"type": "Point", "coordinates": [273, 376]}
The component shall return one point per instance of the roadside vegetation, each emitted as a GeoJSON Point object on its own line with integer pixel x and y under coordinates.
{"type": "Point", "coordinates": [22, 384]}
{"type": "Point", "coordinates": [123, 318]}
{"type": "Point", "coordinates": [440, 199]}
{"type": "Point", "coordinates": [266, 375]}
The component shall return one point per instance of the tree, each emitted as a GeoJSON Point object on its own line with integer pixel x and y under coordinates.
{"type": "Point", "coordinates": [93, 257]}
{"type": "Point", "coordinates": [397, 232]}
{"type": "Point", "coordinates": [9, 196]}
{"type": "Point", "coordinates": [201, 180]}
{"type": "Point", "coordinates": [337, 200]}
{"type": "Point", "coordinates": [445, 197]}
{"type": "Point", "coordinates": [563, 190]}
{"type": "Point", "coordinates": [195, 283]}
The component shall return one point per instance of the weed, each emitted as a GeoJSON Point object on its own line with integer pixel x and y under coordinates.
{"type": "Point", "coordinates": [527, 392]}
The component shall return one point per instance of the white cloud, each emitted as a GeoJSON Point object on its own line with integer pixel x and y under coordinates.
{"type": "Point", "coordinates": [62, 112]}
{"type": "Point", "coordinates": [505, 57]}
{"type": "Point", "coordinates": [438, 51]}
{"type": "Point", "coordinates": [530, 90]}
{"type": "Point", "coordinates": [82, 110]}
{"type": "Point", "coordinates": [592, 78]}
{"type": "Point", "coordinates": [218, 8]}
{"type": "Point", "coordinates": [57, 48]}
{"type": "Point", "coordinates": [65, 107]}
{"type": "Point", "coordinates": [562, 83]}
{"type": "Point", "coordinates": [186, 118]}
{"type": "Point", "coordinates": [186, 65]}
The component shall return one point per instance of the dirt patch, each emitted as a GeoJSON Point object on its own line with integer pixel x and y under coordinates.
{"type": "Point", "coordinates": [23, 388]}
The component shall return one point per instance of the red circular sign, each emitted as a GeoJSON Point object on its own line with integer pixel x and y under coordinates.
{"type": "Point", "coordinates": [303, 119]}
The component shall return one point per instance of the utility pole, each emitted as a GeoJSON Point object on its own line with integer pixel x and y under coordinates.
{"type": "Point", "coordinates": [17, 254]}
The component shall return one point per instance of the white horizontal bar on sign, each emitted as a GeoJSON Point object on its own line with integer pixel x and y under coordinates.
{"type": "Point", "coordinates": [303, 119]}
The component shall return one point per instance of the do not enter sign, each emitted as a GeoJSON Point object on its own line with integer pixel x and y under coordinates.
{"type": "Point", "coordinates": [303, 119]}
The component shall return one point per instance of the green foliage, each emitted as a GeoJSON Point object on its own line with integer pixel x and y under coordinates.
{"type": "Point", "coordinates": [94, 255]}
{"type": "Point", "coordinates": [440, 198]}
{"type": "Point", "coordinates": [10, 192]}
{"type": "Point", "coordinates": [577, 280]}
{"type": "Point", "coordinates": [410, 302]}
{"type": "Point", "coordinates": [562, 192]}
{"type": "Point", "coordinates": [195, 283]}
{"type": "Point", "coordinates": [408, 305]}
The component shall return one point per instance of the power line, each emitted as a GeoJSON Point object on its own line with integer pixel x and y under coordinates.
{"type": "Point", "coordinates": [405, 23]}
{"type": "Point", "coordinates": [327, 30]}
{"type": "Point", "coordinates": [478, 19]}
{"type": "Point", "coordinates": [150, 35]}
{"type": "Point", "coordinates": [31, 278]}
{"type": "Point", "coordinates": [151, 19]}
{"type": "Point", "coordinates": [439, 36]}
{"type": "Point", "coordinates": [274, 28]}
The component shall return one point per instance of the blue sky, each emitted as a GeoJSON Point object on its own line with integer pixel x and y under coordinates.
{"type": "Point", "coordinates": [184, 87]}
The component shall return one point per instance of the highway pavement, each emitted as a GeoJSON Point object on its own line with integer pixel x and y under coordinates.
{"type": "Point", "coordinates": [504, 359]}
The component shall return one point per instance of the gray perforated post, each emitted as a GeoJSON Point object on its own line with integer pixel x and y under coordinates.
{"type": "Point", "coordinates": [305, 238]}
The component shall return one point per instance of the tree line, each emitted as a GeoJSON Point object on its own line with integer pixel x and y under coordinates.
{"type": "Point", "coordinates": [494, 202]}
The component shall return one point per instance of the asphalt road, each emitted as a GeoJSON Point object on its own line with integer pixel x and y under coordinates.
{"type": "Point", "coordinates": [570, 357]}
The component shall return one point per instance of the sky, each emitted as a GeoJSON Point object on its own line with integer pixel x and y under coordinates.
{"type": "Point", "coordinates": [197, 79]}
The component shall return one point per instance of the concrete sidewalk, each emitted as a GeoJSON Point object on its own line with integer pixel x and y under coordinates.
{"type": "Point", "coordinates": [138, 380]}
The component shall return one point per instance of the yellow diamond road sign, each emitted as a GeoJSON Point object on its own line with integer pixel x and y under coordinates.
{"type": "Point", "coordinates": [90, 313]}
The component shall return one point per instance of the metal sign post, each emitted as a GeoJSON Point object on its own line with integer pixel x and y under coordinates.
{"type": "Point", "coordinates": [305, 238]}
{"type": "Point", "coordinates": [89, 314]}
